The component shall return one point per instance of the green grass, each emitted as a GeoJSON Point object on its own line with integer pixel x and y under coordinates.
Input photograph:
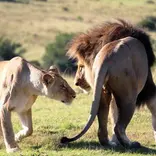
{"type": "Point", "coordinates": [52, 120]}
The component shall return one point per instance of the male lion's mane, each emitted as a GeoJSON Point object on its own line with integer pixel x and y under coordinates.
{"type": "Point", "coordinates": [85, 47]}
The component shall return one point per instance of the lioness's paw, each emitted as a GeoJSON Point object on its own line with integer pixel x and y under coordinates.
{"type": "Point", "coordinates": [11, 150]}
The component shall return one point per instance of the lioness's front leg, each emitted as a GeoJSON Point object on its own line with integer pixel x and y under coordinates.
{"type": "Point", "coordinates": [7, 129]}
{"type": "Point", "coordinates": [103, 118]}
{"type": "Point", "coordinates": [26, 121]}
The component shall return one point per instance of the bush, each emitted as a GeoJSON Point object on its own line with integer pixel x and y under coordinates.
{"type": "Point", "coordinates": [18, 1]}
{"type": "Point", "coordinates": [9, 49]}
{"type": "Point", "coordinates": [56, 53]}
{"type": "Point", "coordinates": [149, 23]}
{"type": "Point", "coordinates": [7, 0]}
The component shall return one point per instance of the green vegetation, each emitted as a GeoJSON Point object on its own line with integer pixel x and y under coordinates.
{"type": "Point", "coordinates": [56, 54]}
{"type": "Point", "coordinates": [149, 23]}
{"type": "Point", "coordinates": [9, 49]}
{"type": "Point", "coordinates": [18, 1]}
{"type": "Point", "coordinates": [8, 0]}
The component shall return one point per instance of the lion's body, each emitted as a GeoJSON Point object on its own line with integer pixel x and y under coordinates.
{"type": "Point", "coordinates": [126, 74]}
{"type": "Point", "coordinates": [20, 84]}
{"type": "Point", "coordinates": [124, 79]}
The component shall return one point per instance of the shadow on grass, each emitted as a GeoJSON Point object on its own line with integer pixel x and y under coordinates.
{"type": "Point", "coordinates": [93, 145]}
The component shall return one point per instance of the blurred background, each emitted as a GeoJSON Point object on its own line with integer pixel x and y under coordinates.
{"type": "Point", "coordinates": [39, 30]}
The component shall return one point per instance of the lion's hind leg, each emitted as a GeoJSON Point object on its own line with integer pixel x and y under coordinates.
{"type": "Point", "coordinates": [103, 119]}
{"type": "Point", "coordinates": [26, 121]}
{"type": "Point", "coordinates": [113, 117]}
{"type": "Point", "coordinates": [7, 129]}
{"type": "Point", "coordinates": [124, 118]}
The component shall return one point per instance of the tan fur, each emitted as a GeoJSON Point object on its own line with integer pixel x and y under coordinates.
{"type": "Point", "coordinates": [126, 74]}
{"type": "Point", "coordinates": [86, 46]}
{"type": "Point", "coordinates": [20, 85]}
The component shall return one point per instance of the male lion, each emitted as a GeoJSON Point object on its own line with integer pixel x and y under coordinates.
{"type": "Point", "coordinates": [118, 67]}
{"type": "Point", "coordinates": [20, 84]}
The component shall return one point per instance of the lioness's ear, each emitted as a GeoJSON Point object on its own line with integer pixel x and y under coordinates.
{"type": "Point", "coordinates": [54, 69]}
{"type": "Point", "coordinates": [48, 79]}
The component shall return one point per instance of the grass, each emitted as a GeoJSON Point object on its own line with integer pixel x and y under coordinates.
{"type": "Point", "coordinates": [52, 120]}
{"type": "Point", "coordinates": [36, 24]}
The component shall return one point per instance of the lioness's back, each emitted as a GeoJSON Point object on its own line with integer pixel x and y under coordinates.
{"type": "Point", "coordinates": [2, 65]}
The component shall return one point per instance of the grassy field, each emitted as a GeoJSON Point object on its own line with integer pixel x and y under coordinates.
{"type": "Point", "coordinates": [52, 120]}
{"type": "Point", "coordinates": [35, 25]}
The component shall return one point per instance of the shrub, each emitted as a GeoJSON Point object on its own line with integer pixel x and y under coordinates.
{"type": "Point", "coordinates": [8, 0]}
{"type": "Point", "coordinates": [80, 18]}
{"type": "Point", "coordinates": [56, 54]}
{"type": "Point", "coordinates": [18, 1]}
{"type": "Point", "coordinates": [149, 23]}
{"type": "Point", "coordinates": [9, 49]}
{"type": "Point", "coordinates": [65, 9]}
{"type": "Point", "coordinates": [150, 2]}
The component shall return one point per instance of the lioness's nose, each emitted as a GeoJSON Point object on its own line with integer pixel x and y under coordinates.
{"type": "Point", "coordinates": [74, 96]}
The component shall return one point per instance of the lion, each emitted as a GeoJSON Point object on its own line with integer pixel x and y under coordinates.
{"type": "Point", "coordinates": [20, 85]}
{"type": "Point", "coordinates": [118, 66]}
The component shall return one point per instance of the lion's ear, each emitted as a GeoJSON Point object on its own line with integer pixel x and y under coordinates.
{"type": "Point", "coordinates": [54, 69]}
{"type": "Point", "coordinates": [48, 79]}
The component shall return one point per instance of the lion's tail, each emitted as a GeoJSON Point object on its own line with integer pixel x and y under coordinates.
{"type": "Point", "coordinates": [147, 92]}
{"type": "Point", "coordinates": [100, 77]}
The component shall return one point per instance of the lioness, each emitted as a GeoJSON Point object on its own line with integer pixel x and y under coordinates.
{"type": "Point", "coordinates": [20, 84]}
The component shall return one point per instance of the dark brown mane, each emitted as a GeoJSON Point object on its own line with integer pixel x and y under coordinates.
{"type": "Point", "coordinates": [87, 45]}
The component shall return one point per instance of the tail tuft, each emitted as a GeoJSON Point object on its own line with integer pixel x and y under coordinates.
{"type": "Point", "coordinates": [64, 140]}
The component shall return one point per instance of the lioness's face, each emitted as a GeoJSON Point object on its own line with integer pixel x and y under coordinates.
{"type": "Point", "coordinates": [58, 88]}
{"type": "Point", "coordinates": [80, 80]}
